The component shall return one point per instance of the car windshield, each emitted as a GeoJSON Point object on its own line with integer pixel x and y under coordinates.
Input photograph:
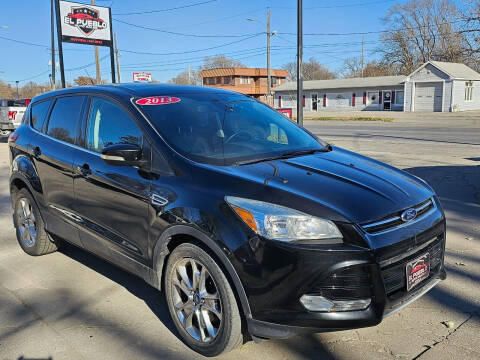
{"type": "Point", "coordinates": [226, 129]}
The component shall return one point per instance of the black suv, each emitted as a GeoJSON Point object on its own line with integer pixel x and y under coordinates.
{"type": "Point", "coordinates": [252, 226]}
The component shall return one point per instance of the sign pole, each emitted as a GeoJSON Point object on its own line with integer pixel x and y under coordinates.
{"type": "Point", "coordinates": [112, 57]}
{"type": "Point", "coordinates": [59, 38]}
{"type": "Point", "coordinates": [52, 29]}
{"type": "Point", "coordinates": [299, 62]}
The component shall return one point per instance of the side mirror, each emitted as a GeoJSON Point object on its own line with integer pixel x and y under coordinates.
{"type": "Point", "coordinates": [122, 155]}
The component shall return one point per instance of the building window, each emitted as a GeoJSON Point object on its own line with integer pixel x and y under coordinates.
{"type": "Point", "coordinates": [279, 101]}
{"type": "Point", "coordinates": [211, 81]}
{"type": "Point", "coordinates": [372, 97]}
{"type": "Point", "coordinates": [227, 80]}
{"type": "Point", "coordinates": [274, 80]}
{"type": "Point", "coordinates": [399, 97]}
{"type": "Point", "coordinates": [469, 91]}
{"type": "Point", "coordinates": [244, 80]}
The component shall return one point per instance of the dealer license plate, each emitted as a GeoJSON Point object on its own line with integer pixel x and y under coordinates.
{"type": "Point", "coordinates": [417, 270]}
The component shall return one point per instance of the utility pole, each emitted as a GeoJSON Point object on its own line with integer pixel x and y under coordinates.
{"type": "Point", "coordinates": [269, 79]}
{"type": "Point", "coordinates": [117, 55]}
{"type": "Point", "coordinates": [97, 60]}
{"type": "Point", "coordinates": [299, 62]}
{"type": "Point", "coordinates": [52, 28]}
{"type": "Point", "coordinates": [189, 75]}
{"type": "Point", "coordinates": [363, 63]}
{"type": "Point", "coordinates": [16, 82]}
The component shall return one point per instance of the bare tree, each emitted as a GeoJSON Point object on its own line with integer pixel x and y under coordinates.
{"type": "Point", "coordinates": [6, 90]}
{"type": "Point", "coordinates": [470, 29]}
{"type": "Point", "coordinates": [219, 61]}
{"type": "Point", "coordinates": [84, 81]}
{"type": "Point", "coordinates": [312, 70]}
{"type": "Point", "coordinates": [180, 79]}
{"type": "Point", "coordinates": [419, 31]}
{"type": "Point", "coordinates": [32, 89]}
{"type": "Point", "coordinates": [352, 67]}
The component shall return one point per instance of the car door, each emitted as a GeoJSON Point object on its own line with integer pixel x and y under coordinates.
{"type": "Point", "coordinates": [112, 200]}
{"type": "Point", "coordinates": [53, 146]}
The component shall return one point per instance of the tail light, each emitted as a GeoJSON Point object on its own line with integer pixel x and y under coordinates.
{"type": "Point", "coordinates": [12, 115]}
{"type": "Point", "coordinates": [13, 137]}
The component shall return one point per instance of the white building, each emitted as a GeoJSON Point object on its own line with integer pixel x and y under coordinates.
{"type": "Point", "coordinates": [435, 86]}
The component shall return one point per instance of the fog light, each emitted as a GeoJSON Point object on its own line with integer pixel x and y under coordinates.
{"type": "Point", "coordinates": [320, 303]}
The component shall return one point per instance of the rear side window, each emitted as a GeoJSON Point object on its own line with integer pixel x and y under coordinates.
{"type": "Point", "coordinates": [109, 124]}
{"type": "Point", "coordinates": [64, 118]}
{"type": "Point", "coordinates": [39, 114]}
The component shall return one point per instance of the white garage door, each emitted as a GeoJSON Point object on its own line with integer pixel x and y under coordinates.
{"type": "Point", "coordinates": [428, 96]}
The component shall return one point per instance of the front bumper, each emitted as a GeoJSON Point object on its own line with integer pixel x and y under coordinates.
{"type": "Point", "coordinates": [338, 273]}
{"type": "Point", "coordinates": [8, 126]}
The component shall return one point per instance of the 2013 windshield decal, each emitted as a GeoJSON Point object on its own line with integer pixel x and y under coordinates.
{"type": "Point", "coordinates": [157, 100]}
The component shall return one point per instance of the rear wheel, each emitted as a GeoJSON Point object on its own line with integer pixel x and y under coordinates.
{"type": "Point", "coordinates": [201, 302]}
{"type": "Point", "coordinates": [31, 234]}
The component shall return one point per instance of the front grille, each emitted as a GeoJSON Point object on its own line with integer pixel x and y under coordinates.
{"type": "Point", "coordinates": [350, 283]}
{"type": "Point", "coordinates": [395, 220]}
{"type": "Point", "coordinates": [394, 277]}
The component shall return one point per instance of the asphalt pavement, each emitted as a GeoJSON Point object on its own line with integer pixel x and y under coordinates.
{"type": "Point", "coordinates": [73, 305]}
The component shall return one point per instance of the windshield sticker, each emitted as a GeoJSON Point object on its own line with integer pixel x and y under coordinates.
{"type": "Point", "coordinates": [157, 100]}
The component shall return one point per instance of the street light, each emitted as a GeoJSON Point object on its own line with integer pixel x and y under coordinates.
{"type": "Point", "coordinates": [16, 82]}
{"type": "Point", "coordinates": [269, 35]}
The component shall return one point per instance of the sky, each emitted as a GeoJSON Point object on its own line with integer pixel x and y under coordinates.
{"type": "Point", "coordinates": [217, 26]}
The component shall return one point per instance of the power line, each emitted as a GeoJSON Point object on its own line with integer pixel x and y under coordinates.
{"type": "Point", "coordinates": [338, 6]}
{"type": "Point", "coordinates": [22, 42]}
{"type": "Point", "coordinates": [163, 10]}
{"type": "Point", "coordinates": [29, 78]}
{"type": "Point", "coordinates": [372, 32]}
{"type": "Point", "coordinates": [183, 34]}
{"type": "Point", "coordinates": [190, 51]}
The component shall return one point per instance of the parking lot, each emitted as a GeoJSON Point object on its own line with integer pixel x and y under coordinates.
{"type": "Point", "coordinates": [72, 305]}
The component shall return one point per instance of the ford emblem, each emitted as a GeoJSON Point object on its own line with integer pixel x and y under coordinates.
{"type": "Point", "coordinates": [409, 215]}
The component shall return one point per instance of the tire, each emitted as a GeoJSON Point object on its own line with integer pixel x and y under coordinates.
{"type": "Point", "coordinates": [31, 234]}
{"type": "Point", "coordinates": [208, 302]}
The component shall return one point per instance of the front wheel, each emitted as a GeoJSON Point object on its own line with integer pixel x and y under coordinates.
{"type": "Point", "coordinates": [201, 302]}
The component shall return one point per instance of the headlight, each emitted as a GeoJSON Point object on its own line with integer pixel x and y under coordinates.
{"type": "Point", "coordinates": [281, 223]}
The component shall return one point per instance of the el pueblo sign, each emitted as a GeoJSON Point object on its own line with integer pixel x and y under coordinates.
{"type": "Point", "coordinates": [85, 24]}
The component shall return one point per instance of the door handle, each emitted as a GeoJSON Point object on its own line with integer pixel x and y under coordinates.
{"type": "Point", "coordinates": [37, 152]}
{"type": "Point", "coordinates": [84, 170]}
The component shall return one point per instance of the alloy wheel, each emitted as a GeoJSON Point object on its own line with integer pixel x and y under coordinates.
{"type": "Point", "coordinates": [196, 300]}
{"type": "Point", "coordinates": [26, 222]}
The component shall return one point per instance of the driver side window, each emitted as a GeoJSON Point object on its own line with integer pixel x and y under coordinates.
{"type": "Point", "coordinates": [109, 124]}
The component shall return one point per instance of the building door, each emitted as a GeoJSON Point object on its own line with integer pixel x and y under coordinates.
{"type": "Point", "coordinates": [428, 96]}
{"type": "Point", "coordinates": [314, 102]}
{"type": "Point", "coordinates": [387, 100]}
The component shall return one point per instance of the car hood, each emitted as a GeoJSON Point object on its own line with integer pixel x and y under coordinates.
{"type": "Point", "coordinates": [357, 188]}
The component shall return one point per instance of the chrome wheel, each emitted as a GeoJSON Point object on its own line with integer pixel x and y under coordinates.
{"type": "Point", "coordinates": [196, 300]}
{"type": "Point", "coordinates": [26, 222]}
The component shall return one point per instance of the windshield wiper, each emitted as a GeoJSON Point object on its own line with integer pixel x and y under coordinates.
{"type": "Point", "coordinates": [285, 155]}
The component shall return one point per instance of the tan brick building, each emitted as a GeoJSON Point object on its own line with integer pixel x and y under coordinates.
{"type": "Point", "coordinates": [248, 81]}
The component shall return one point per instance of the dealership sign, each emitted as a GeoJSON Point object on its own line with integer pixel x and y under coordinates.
{"type": "Point", "coordinates": [85, 24]}
{"type": "Point", "coordinates": [142, 77]}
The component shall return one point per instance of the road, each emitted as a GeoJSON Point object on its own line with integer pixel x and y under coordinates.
{"type": "Point", "coordinates": [72, 305]}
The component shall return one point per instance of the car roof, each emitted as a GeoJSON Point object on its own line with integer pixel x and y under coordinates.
{"type": "Point", "coordinates": [128, 90]}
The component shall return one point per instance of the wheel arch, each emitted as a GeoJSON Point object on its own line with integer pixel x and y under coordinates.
{"type": "Point", "coordinates": [178, 234]}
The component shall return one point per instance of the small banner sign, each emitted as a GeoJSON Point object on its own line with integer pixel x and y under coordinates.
{"type": "Point", "coordinates": [142, 77]}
